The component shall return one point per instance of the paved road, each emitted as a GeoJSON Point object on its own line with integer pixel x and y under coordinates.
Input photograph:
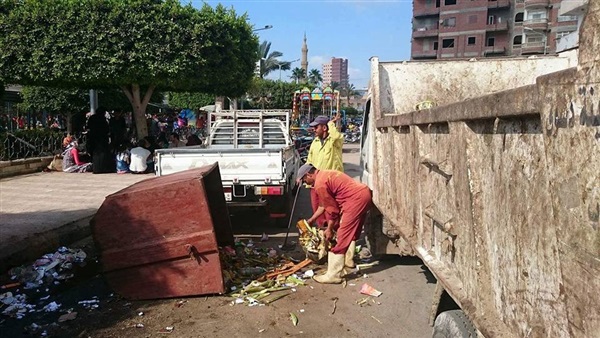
{"type": "Point", "coordinates": [40, 211]}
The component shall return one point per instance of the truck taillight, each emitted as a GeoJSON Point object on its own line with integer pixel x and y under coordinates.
{"type": "Point", "coordinates": [268, 190]}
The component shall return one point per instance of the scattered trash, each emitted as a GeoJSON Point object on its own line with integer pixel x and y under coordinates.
{"type": "Point", "coordinates": [344, 284]}
{"type": "Point", "coordinates": [91, 304]}
{"type": "Point", "coordinates": [261, 330]}
{"type": "Point", "coordinates": [294, 319]}
{"type": "Point", "coordinates": [363, 301]}
{"type": "Point", "coordinates": [264, 237]}
{"type": "Point", "coordinates": [67, 316]}
{"type": "Point", "coordinates": [51, 307]}
{"type": "Point", "coordinates": [365, 276]}
{"type": "Point", "coordinates": [49, 269]}
{"type": "Point", "coordinates": [365, 266]}
{"type": "Point", "coordinates": [366, 289]}
{"type": "Point", "coordinates": [140, 313]}
{"type": "Point", "coordinates": [301, 310]}
{"type": "Point", "coordinates": [379, 321]}
{"type": "Point", "coordinates": [313, 241]}
{"type": "Point", "coordinates": [180, 303]}
{"type": "Point", "coordinates": [308, 273]}
{"type": "Point", "coordinates": [351, 284]}
{"type": "Point", "coordinates": [139, 325]}
{"type": "Point", "coordinates": [335, 299]}
{"type": "Point", "coordinates": [272, 253]}
{"type": "Point", "coordinates": [10, 285]}
{"type": "Point", "coordinates": [167, 329]}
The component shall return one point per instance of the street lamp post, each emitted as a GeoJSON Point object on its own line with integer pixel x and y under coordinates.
{"type": "Point", "coordinates": [263, 28]}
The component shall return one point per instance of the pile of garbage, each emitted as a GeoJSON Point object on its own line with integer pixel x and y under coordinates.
{"type": "Point", "coordinates": [313, 242]}
{"type": "Point", "coordinates": [50, 269]}
{"type": "Point", "coordinates": [259, 276]}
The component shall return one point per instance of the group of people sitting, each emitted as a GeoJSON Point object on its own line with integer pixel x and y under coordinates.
{"type": "Point", "coordinates": [128, 159]}
{"type": "Point", "coordinates": [135, 159]}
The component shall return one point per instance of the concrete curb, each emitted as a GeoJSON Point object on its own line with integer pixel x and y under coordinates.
{"type": "Point", "coordinates": [35, 245]}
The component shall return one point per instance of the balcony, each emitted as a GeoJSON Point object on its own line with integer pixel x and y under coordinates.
{"type": "Point", "coordinates": [536, 3]}
{"type": "Point", "coordinates": [425, 31]}
{"type": "Point", "coordinates": [534, 48]}
{"type": "Point", "coordinates": [426, 11]}
{"type": "Point", "coordinates": [537, 24]}
{"type": "Point", "coordinates": [573, 7]}
{"type": "Point", "coordinates": [426, 54]}
{"type": "Point", "coordinates": [498, 4]}
{"type": "Point", "coordinates": [497, 27]}
{"type": "Point", "coordinates": [494, 51]}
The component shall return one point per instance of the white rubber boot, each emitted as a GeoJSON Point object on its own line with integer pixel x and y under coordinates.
{"type": "Point", "coordinates": [335, 265]}
{"type": "Point", "coordinates": [350, 255]}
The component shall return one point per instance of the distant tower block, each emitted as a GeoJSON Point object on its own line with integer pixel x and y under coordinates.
{"type": "Point", "coordinates": [304, 62]}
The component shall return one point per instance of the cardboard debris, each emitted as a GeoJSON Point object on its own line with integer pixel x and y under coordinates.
{"type": "Point", "coordinates": [67, 316]}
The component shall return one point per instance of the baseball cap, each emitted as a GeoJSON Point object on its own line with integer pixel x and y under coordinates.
{"type": "Point", "coordinates": [304, 169]}
{"type": "Point", "coordinates": [322, 119]}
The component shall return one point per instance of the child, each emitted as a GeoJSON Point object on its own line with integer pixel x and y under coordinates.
{"type": "Point", "coordinates": [123, 159]}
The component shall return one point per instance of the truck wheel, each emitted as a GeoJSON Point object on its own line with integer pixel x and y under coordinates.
{"type": "Point", "coordinates": [453, 324]}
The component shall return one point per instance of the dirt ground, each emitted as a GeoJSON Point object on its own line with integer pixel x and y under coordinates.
{"type": "Point", "coordinates": [401, 311]}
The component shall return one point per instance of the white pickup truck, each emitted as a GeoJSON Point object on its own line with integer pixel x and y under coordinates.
{"type": "Point", "coordinates": [256, 156]}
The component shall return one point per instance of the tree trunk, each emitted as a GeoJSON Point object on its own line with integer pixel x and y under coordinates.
{"type": "Point", "coordinates": [139, 105]}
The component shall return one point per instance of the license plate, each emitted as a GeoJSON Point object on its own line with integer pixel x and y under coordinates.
{"type": "Point", "coordinates": [227, 196]}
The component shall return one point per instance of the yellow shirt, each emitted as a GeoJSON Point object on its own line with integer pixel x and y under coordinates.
{"type": "Point", "coordinates": [328, 154]}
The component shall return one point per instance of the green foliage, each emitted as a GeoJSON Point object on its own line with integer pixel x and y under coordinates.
{"type": "Point", "coordinates": [273, 94]}
{"type": "Point", "coordinates": [269, 62]}
{"type": "Point", "coordinates": [190, 100]}
{"type": "Point", "coordinates": [73, 100]}
{"type": "Point", "coordinates": [298, 74]}
{"type": "Point", "coordinates": [100, 43]}
{"type": "Point", "coordinates": [351, 111]}
{"type": "Point", "coordinates": [314, 77]}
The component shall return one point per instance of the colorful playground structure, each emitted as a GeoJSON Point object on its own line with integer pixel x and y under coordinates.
{"type": "Point", "coordinates": [307, 104]}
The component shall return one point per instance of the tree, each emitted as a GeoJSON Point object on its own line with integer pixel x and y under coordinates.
{"type": "Point", "coordinates": [270, 61]}
{"type": "Point", "coordinates": [349, 91]}
{"type": "Point", "coordinates": [138, 46]}
{"type": "Point", "coordinates": [334, 85]}
{"type": "Point", "coordinates": [274, 94]}
{"type": "Point", "coordinates": [314, 77]}
{"type": "Point", "coordinates": [190, 100]}
{"type": "Point", "coordinates": [298, 74]}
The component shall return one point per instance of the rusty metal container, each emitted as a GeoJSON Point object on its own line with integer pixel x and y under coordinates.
{"type": "Point", "coordinates": [159, 238]}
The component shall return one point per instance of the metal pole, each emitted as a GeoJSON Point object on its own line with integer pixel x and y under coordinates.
{"type": "Point", "coordinates": [93, 101]}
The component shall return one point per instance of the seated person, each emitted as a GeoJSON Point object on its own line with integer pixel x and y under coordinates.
{"type": "Point", "coordinates": [139, 157]}
{"type": "Point", "coordinates": [174, 141]}
{"type": "Point", "coordinates": [193, 140]}
{"type": "Point", "coordinates": [71, 162]}
{"type": "Point", "coordinates": [123, 159]}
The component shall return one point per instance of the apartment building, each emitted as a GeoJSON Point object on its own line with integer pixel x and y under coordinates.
{"type": "Point", "coordinates": [336, 70]}
{"type": "Point", "coordinates": [487, 28]}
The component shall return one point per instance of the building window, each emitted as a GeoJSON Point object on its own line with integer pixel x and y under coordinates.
{"type": "Point", "coordinates": [491, 42]}
{"type": "Point", "coordinates": [472, 19]}
{"type": "Point", "coordinates": [436, 45]}
{"type": "Point", "coordinates": [449, 2]}
{"type": "Point", "coordinates": [491, 20]}
{"type": "Point", "coordinates": [449, 22]}
{"type": "Point", "coordinates": [536, 16]}
{"type": "Point", "coordinates": [564, 18]}
{"type": "Point", "coordinates": [519, 17]}
{"type": "Point", "coordinates": [518, 40]}
{"type": "Point", "coordinates": [448, 43]}
{"type": "Point", "coordinates": [471, 40]}
{"type": "Point", "coordinates": [535, 39]}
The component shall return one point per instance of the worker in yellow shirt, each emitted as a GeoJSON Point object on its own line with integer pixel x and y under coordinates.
{"type": "Point", "coordinates": [325, 153]}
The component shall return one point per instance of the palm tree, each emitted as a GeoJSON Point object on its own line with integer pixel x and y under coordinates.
{"type": "Point", "coordinates": [314, 77]}
{"type": "Point", "coordinates": [349, 91]}
{"type": "Point", "coordinates": [334, 85]}
{"type": "Point", "coordinates": [270, 61]}
{"type": "Point", "coordinates": [298, 74]}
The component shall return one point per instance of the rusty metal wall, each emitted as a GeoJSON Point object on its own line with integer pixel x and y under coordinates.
{"type": "Point", "coordinates": [500, 196]}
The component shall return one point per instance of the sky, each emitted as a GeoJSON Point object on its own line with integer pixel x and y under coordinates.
{"type": "Point", "coordinates": [352, 29]}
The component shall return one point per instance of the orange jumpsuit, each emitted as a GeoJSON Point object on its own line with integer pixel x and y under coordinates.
{"type": "Point", "coordinates": [346, 202]}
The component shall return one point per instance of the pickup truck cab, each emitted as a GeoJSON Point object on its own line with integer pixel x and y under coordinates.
{"type": "Point", "coordinates": [256, 156]}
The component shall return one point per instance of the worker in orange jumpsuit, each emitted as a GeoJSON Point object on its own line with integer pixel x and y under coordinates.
{"type": "Point", "coordinates": [345, 203]}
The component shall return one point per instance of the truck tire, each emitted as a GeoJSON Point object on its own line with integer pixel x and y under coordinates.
{"type": "Point", "coordinates": [453, 324]}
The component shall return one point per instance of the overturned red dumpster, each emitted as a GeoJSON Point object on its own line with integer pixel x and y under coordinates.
{"type": "Point", "coordinates": [159, 238]}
